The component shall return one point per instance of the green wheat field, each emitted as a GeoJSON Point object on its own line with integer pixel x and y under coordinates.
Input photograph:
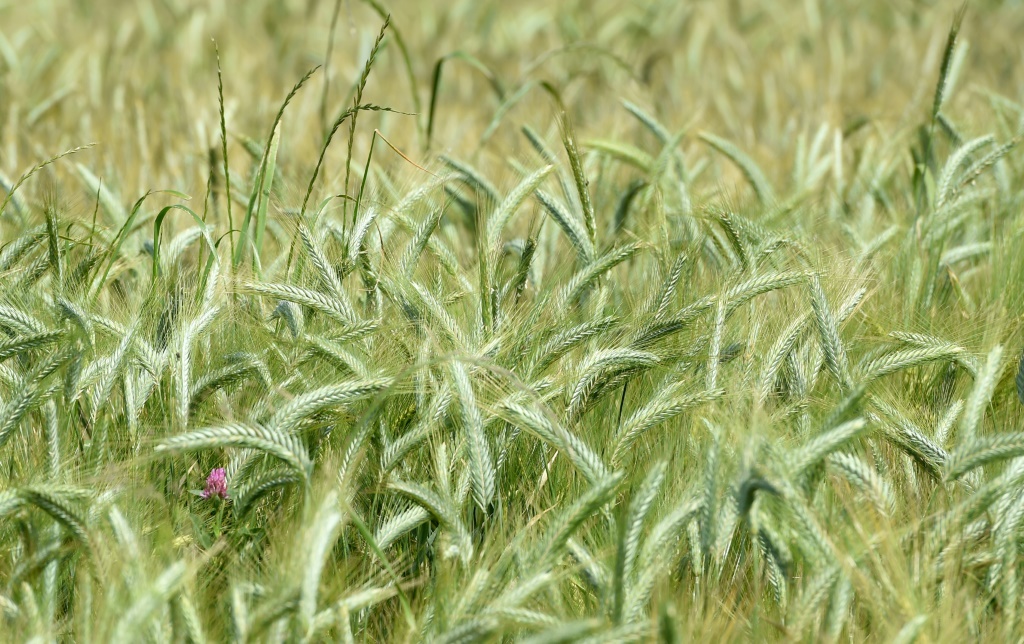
{"type": "Point", "coordinates": [541, 321]}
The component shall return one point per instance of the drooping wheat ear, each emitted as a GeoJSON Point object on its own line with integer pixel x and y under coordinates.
{"type": "Point", "coordinates": [32, 390]}
{"type": "Point", "coordinates": [778, 353]}
{"type": "Point", "coordinates": [524, 269]}
{"type": "Point", "coordinates": [25, 343]}
{"type": "Point", "coordinates": [948, 176]}
{"type": "Point", "coordinates": [831, 346]}
{"type": "Point", "coordinates": [923, 340]}
{"type": "Point", "coordinates": [947, 421]}
{"type": "Point", "coordinates": [575, 449]}
{"type": "Point", "coordinates": [153, 360]}
{"type": "Point", "coordinates": [190, 616]}
{"type": "Point", "coordinates": [549, 157]}
{"type": "Point", "coordinates": [289, 449]}
{"type": "Point", "coordinates": [508, 207]}
{"type": "Point", "coordinates": [448, 325]}
{"type": "Point", "coordinates": [240, 620]}
{"type": "Point", "coordinates": [818, 448]}
{"type": "Point", "coordinates": [79, 317]}
{"type": "Point", "coordinates": [965, 252]}
{"type": "Point", "coordinates": [661, 303]}
{"type": "Point", "coordinates": [657, 129]}
{"type": "Point", "coordinates": [1009, 513]}
{"type": "Point", "coordinates": [356, 250]}
{"type": "Point", "coordinates": [839, 608]}
{"type": "Point", "coordinates": [630, 532]}
{"type": "Point", "coordinates": [19, 321]}
{"type": "Point", "coordinates": [982, 450]}
{"type": "Point", "coordinates": [602, 368]}
{"type": "Point", "coordinates": [588, 274]}
{"type": "Point", "coordinates": [649, 334]}
{"type": "Point", "coordinates": [740, 246]}
{"type": "Point", "coordinates": [1020, 379]}
{"type": "Point", "coordinates": [742, 293]}
{"type": "Point", "coordinates": [292, 316]}
{"type": "Point", "coordinates": [950, 523]}
{"type": "Point", "coordinates": [976, 169]}
{"type": "Point", "coordinates": [15, 249]}
{"type": "Point", "coordinates": [353, 335]}
{"type": "Point", "coordinates": [777, 559]}
{"type": "Point", "coordinates": [442, 510]}
{"type": "Point", "coordinates": [984, 385]}
{"type": "Point", "coordinates": [865, 479]}
{"type": "Point", "coordinates": [366, 598]}
{"type": "Point", "coordinates": [907, 436]}
{"type": "Point", "coordinates": [473, 178]}
{"type": "Point", "coordinates": [811, 537]}
{"type": "Point", "coordinates": [52, 430]}
{"type": "Point", "coordinates": [666, 405]}
{"type": "Point", "coordinates": [592, 572]}
{"type": "Point", "coordinates": [702, 531]}
{"type": "Point", "coordinates": [569, 520]}
{"type": "Point", "coordinates": [623, 208]}
{"type": "Point", "coordinates": [481, 463]}
{"type": "Point", "coordinates": [250, 489]}
{"type": "Point", "coordinates": [907, 358]}
{"type": "Point", "coordinates": [10, 500]}
{"type": "Point", "coordinates": [570, 225]}
{"type": "Point", "coordinates": [325, 271]}
{"type": "Point", "coordinates": [565, 340]}
{"type": "Point", "coordinates": [751, 171]}
{"type": "Point", "coordinates": [394, 527]}
{"type": "Point", "coordinates": [657, 556]}
{"type": "Point", "coordinates": [396, 450]}
{"type": "Point", "coordinates": [420, 238]}
{"type": "Point", "coordinates": [244, 366]}
{"type": "Point", "coordinates": [289, 418]}
{"type": "Point", "coordinates": [954, 214]}
{"type": "Point", "coordinates": [715, 350]}
{"type": "Point", "coordinates": [335, 308]}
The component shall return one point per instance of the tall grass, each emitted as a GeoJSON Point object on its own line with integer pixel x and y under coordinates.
{"type": "Point", "coordinates": [664, 322]}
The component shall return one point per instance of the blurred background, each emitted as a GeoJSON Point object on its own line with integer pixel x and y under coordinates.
{"type": "Point", "coordinates": [140, 78]}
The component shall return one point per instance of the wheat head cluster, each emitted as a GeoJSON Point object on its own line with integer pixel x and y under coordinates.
{"type": "Point", "coordinates": [576, 321]}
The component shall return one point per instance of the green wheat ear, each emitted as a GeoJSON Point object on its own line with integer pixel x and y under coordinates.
{"type": "Point", "coordinates": [546, 376]}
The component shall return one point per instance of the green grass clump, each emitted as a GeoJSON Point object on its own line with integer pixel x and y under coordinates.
{"type": "Point", "coordinates": [661, 321]}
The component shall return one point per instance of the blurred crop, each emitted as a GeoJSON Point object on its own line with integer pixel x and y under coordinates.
{"type": "Point", "coordinates": [340, 320]}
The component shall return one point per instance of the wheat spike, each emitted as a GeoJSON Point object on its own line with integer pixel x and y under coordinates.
{"type": "Point", "coordinates": [278, 444]}
{"type": "Point", "coordinates": [980, 395]}
{"type": "Point", "coordinates": [668, 404]}
{"type": "Point", "coordinates": [481, 464]}
{"type": "Point", "coordinates": [828, 329]}
{"type": "Point", "coordinates": [629, 541]}
{"type": "Point", "coordinates": [289, 418]}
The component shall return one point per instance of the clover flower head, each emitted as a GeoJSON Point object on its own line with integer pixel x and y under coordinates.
{"type": "Point", "coordinates": [216, 484]}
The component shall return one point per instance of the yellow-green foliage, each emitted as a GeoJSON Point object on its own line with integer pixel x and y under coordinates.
{"type": "Point", "coordinates": [549, 321]}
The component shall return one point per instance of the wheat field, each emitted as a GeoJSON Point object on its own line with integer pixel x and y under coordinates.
{"type": "Point", "coordinates": [572, 321]}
